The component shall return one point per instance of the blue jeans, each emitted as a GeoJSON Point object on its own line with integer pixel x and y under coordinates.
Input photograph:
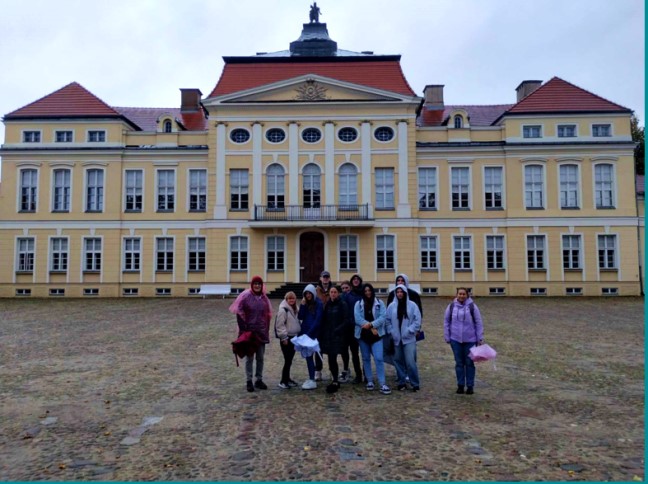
{"type": "Point", "coordinates": [464, 366]}
{"type": "Point", "coordinates": [405, 363]}
{"type": "Point", "coordinates": [376, 350]}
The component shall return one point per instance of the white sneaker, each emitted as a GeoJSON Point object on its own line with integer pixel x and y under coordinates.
{"type": "Point", "coordinates": [318, 376]}
{"type": "Point", "coordinates": [385, 390]}
{"type": "Point", "coordinates": [283, 385]}
{"type": "Point", "coordinates": [309, 385]}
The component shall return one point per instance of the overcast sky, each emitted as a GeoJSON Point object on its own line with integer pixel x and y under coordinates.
{"type": "Point", "coordinates": [140, 52]}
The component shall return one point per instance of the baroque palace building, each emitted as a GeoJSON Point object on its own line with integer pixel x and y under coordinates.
{"type": "Point", "coordinates": [320, 158]}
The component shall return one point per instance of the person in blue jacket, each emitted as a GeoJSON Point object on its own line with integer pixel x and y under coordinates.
{"type": "Point", "coordinates": [310, 314]}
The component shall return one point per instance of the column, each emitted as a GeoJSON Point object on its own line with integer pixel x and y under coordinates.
{"type": "Point", "coordinates": [366, 166]}
{"type": "Point", "coordinates": [293, 164]}
{"type": "Point", "coordinates": [220, 209]}
{"type": "Point", "coordinates": [403, 210]}
{"type": "Point", "coordinates": [329, 164]}
{"type": "Point", "coordinates": [257, 167]}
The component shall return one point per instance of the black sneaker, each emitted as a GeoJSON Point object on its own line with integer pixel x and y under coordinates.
{"type": "Point", "coordinates": [357, 380]}
{"type": "Point", "coordinates": [332, 387]}
{"type": "Point", "coordinates": [401, 387]}
{"type": "Point", "coordinates": [250, 387]}
{"type": "Point", "coordinates": [416, 389]}
{"type": "Point", "coordinates": [469, 391]}
{"type": "Point", "coordinates": [292, 383]}
{"type": "Point", "coordinates": [460, 389]}
{"type": "Point", "coordinates": [260, 385]}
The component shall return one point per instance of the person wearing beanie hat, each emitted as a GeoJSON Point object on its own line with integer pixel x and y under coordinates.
{"type": "Point", "coordinates": [253, 312]}
{"type": "Point", "coordinates": [310, 314]}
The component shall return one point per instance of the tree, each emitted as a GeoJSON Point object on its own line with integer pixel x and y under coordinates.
{"type": "Point", "coordinates": [638, 137]}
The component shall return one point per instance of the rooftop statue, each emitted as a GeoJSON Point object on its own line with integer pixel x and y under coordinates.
{"type": "Point", "coordinates": [314, 13]}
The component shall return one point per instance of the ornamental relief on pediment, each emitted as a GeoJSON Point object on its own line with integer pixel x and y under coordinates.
{"type": "Point", "coordinates": [311, 91]}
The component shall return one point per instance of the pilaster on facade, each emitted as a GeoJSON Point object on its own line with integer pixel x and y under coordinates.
{"type": "Point", "coordinates": [403, 210]}
{"type": "Point", "coordinates": [220, 208]}
{"type": "Point", "coordinates": [293, 164]}
{"type": "Point", "coordinates": [366, 166]}
{"type": "Point", "coordinates": [257, 166]}
{"type": "Point", "coordinates": [329, 163]}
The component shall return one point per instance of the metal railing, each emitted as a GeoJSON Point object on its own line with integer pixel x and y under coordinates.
{"type": "Point", "coordinates": [290, 213]}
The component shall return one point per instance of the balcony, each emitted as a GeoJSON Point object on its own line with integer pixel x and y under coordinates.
{"type": "Point", "coordinates": [320, 216]}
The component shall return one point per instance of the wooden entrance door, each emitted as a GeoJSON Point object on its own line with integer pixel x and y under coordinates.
{"type": "Point", "coordinates": [311, 256]}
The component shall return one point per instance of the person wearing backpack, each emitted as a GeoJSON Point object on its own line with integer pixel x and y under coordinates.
{"type": "Point", "coordinates": [310, 314]}
{"type": "Point", "coordinates": [462, 329]}
{"type": "Point", "coordinates": [287, 326]}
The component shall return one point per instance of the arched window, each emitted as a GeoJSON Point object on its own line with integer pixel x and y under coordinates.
{"type": "Point", "coordinates": [168, 127]}
{"type": "Point", "coordinates": [348, 186]}
{"type": "Point", "coordinates": [311, 186]}
{"type": "Point", "coordinates": [275, 187]}
{"type": "Point", "coordinates": [458, 121]}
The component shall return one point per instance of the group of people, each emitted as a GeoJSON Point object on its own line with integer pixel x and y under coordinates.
{"type": "Point", "coordinates": [350, 321]}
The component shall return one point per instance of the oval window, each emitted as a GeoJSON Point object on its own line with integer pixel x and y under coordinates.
{"type": "Point", "coordinates": [311, 135]}
{"type": "Point", "coordinates": [275, 135]}
{"type": "Point", "coordinates": [240, 135]}
{"type": "Point", "coordinates": [348, 134]}
{"type": "Point", "coordinates": [384, 133]}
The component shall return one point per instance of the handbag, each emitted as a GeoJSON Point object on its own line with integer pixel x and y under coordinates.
{"type": "Point", "coordinates": [389, 348]}
{"type": "Point", "coordinates": [420, 335]}
{"type": "Point", "coordinates": [368, 336]}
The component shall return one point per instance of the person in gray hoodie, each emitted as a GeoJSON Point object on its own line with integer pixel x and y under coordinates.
{"type": "Point", "coordinates": [462, 329]}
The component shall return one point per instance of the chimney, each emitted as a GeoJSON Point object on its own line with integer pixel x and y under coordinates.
{"type": "Point", "coordinates": [190, 100]}
{"type": "Point", "coordinates": [433, 95]}
{"type": "Point", "coordinates": [525, 88]}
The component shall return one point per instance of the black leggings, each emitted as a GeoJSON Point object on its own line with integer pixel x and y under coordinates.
{"type": "Point", "coordinates": [333, 366]}
{"type": "Point", "coordinates": [352, 344]}
{"type": "Point", "coordinates": [288, 354]}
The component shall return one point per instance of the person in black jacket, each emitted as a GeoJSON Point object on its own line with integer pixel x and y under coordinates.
{"type": "Point", "coordinates": [351, 293]}
{"type": "Point", "coordinates": [332, 333]}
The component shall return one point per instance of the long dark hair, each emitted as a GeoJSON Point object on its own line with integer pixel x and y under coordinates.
{"type": "Point", "coordinates": [373, 293]}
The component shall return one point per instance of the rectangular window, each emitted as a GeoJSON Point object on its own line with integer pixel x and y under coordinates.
{"type": "Point", "coordinates": [25, 255]}
{"type": "Point", "coordinates": [166, 191]}
{"type": "Point", "coordinates": [534, 186]}
{"type": "Point", "coordinates": [59, 254]}
{"type": "Point", "coordinates": [197, 190]}
{"type": "Point", "coordinates": [571, 251]}
{"type": "Point", "coordinates": [238, 253]}
{"type": "Point", "coordinates": [427, 188]}
{"type": "Point", "coordinates": [385, 188]}
{"type": "Point", "coordinates": [132, 254]}
{"type": "Point", "coordinates": [493, 187]}
{"type": "Point", "coordinates": [462, 259]}
{"type": "Point", "coordinates": [197, 254]}
{"type": "Point", "coordinates": [63, 136]}
{"type": "Point", "coordinates": [495, 251]}
{"type": "Point", "coordinates": [429, 255]}
{"type": "Point", "coordinates": [348, 253]}
{"type": "Point", "coordinates": [607, 252]}
{"type": "Point", "coordinates": [92, 254]}
{"type": "Point", "coordinates": [460, 178]}
{"type": "Point", "coordinates": [96, 136]}
{"type": "Point", "coordinates": [604, 185]}
{"type": "Point", "coordinates": [31, 136]}
{"type": "Point", "coordinates": [134, 191]}
{"type": "Point", "coordinates": [28, 190]}
{"type": "Point", "coordinates": [532, 131]}
{"type": "Point", "coordinates": [90, 291]}
{"type": "Point", "coordinates": [536, 252]}
{"type": "Point", "coordinates": [496, 291]}
{"type": "Point", "coordinates": [566, 130]}
{"type": "Point", "coordinates": [94, 190]}
{"type": "Point", "coordinates": [538, 291]}
{"type": "Point", "coordinates": [164, 254]}
{"type": "Point", "coordinates": [385, 252]}
{"type": "Point", "coordinates": [601, 130]}
{"type": "Point", "coordinates": [61, 192]}
{"type": "Point", "coordinates": [239, 188]}
{"type": "Point", "coordinates": [276, 253]}
{"type": "Point", "coordinates": [569, 186]}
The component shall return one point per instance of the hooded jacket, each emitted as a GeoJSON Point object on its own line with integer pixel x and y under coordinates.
{"type": "Point", "coordinates": [412, 295]}
{"type": "Point", "coordinates": [378, 310]}
{"type": "Point", "coordinates": [334, 323]}
{"type": "Point", "coordinates": [287, 325]}
{"type": "Point", "coordinates": [405, 331]}
{"type": "Point", "coordinates": [311, 315]}
{"type": "Point", "coordinates": [458, 323]}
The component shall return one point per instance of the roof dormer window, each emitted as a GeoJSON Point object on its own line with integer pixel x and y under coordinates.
{"type": "Point", "coordinates": [167, 126]}
{"type": "Point", "coordinates": [458, 121]}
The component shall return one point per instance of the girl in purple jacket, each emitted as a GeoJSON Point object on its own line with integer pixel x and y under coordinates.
{"type": "Point", "coordinates": [462, 329]}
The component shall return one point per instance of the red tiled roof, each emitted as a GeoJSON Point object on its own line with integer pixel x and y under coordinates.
{"type": "Point", "coordinates": [477, 115]}
{"type": "Point", "coordinates": [71, 100]}
{"type": "Point", "coordinates": [386, 75]}
{"type": "Point", "coordinates": [147, 118]}
{"type": "Point", "coordinates": [557, 95]}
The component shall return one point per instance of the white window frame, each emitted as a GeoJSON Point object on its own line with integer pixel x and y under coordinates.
{"type": "Point", "coordinates": [25, 255]}
{"type": "Point", "coordinates": [612, 188]}
{"type": "Point", "coordinates": [532, 129]}
{"type": "Point", "coordinates": [94, 193]}
{"type": "Point", "coordinates": [239, 244]}
{"type": "Point", "coordinates": [197, 190]}
{"type": "Point", "coordinates": [92, 256]}
{"type": "Point", "coordinates": [59, 257]}
{"type": "Point", "coordinates": [132, 246]}
{"type": "Point", "coordinates": [28, 193]}
{"type": "Point", "coordinates": [461, 188]}
{"type": "Point", "coordinates": [531, 188]}
{"type": "Point", "coordinates": [275, 253]}
{"type": "Point", "coordinates": [490, 187]}
{"type": "Point", "coordinates": [461, 264]}
{"type": "Point", "coordinates": [348, 251]}
{"type": "Point", "coordinates": [562, 128]}
{"type": "Point", "coordinates": [569, 190]}
{"type": "Point", "coordinates": [165, 247]}
{"type": "Point", "coordinates": [604, 250]}
{"type": "Point", "coordinates": [32, 136]}
{"type": "Point", "coordinates": [384, 188]}
{"type": "Point", "coordinates": [492, 263]}
{"type": "Point", "coordinates": [64, 132]}
{"type": "Point", "coordinates": [96, 133]}
{"type": "Point", "coordinates": [196, 253]}
{"type": "Point", "coordinates": [136, 191]}
{"type": "Point", "coordinates": [239, 188]}
{"type": "Point", "coordinates": [276, 187]}
{"type": "Point", "coordinates": [572, 251]}
{"type": "Point", "coordinates": [429, 252]}
{"type": "Point", "coordinates": [597, 126]}
{"type": "Point", "coordinates": [348, 186]}
{"type": "Point", "coordinates": [346, 129]}
{"type": "Point", "coordinates": [66, 197]}
{"type": "Point", "coordinates": [166, 191]}
{"type": "Point", "coordinates": [540, 262]}
{"type": "Point", "coordinates": [428, 184]}
{"type": "Point", "coordinates": [385, 252]}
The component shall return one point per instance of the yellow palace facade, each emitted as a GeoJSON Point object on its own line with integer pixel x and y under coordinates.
{"type": "Point", "coordinates": [319, 158]}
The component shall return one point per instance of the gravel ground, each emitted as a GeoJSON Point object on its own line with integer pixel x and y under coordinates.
{"type": "Point", "coordinates": [148, 389]}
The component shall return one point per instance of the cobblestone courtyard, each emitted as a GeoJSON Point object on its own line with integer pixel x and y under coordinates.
{"type": "Point", "coordinates": [148, 389]}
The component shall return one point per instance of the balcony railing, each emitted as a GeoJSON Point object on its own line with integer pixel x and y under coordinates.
{"type": "Point", "coordinates": [290, 213]}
